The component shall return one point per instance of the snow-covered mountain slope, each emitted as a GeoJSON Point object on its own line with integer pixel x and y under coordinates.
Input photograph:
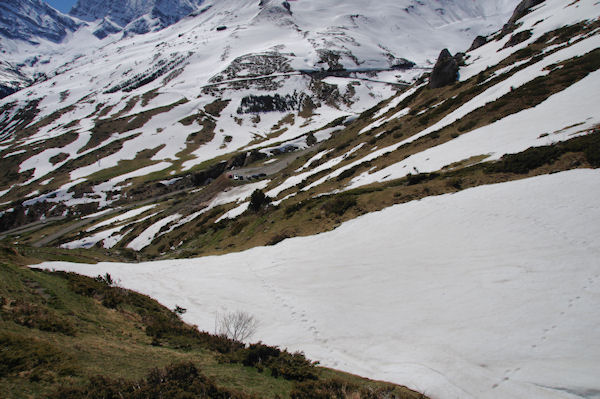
{"type": "Point", "coordinates": [186, 121]}
{"type": "Point", "coordinates": [32, 21]}
{"type": "Point", "coordinates": [27, 23]}
{"type": "Point", "coordinates": [458, 247]}
{"type": "Point", "coordinates": [133, 15]}
{"type": "Point", "coordinates": [239, 75]}
{"type": "Point", "coordinates": [490, 293]}
{"type": "Point", "coordinates": [11, 79]}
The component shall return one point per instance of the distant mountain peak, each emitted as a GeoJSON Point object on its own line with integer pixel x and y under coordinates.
{"type": "Point", "coordinates": [32, 20]}
{"type": "Point", "coordinates": [138, 16]}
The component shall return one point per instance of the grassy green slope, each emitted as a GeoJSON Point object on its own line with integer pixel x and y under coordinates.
{"type": "Point", "coordinates": [65, 335]}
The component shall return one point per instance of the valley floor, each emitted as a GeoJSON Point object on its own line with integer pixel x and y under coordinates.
{"type": "Point", "coordinates": [492, 292]}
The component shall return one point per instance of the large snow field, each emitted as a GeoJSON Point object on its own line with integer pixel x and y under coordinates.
{"type": "Point", "coordinates": [492, 292]}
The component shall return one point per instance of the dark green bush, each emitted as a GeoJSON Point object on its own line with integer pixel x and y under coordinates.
{"type": "Point", "coordinates": [258, 200]}
{"type": "Point", "coordinates": [181, 381]}
{"type": "Point", "coordinates": [420, 178]}
{"type": "Point", "coordinates": [348, 172]}
{"type": "Point", "coordinates": [527, 160]}
{"type": "Point", "coordinates": [258, 353]}
{"type": "Point", "coordinates": [468, 125]}
{"type": "Point", "coordinates": [18, 354]}
{"type": "Point", "coordinates": [338, 389]}
{"type": "Point", "coordinates": [535, 157]}
{"type": "Point", "coordinates": [238, 226]}
{"type": "Point", "coordinates": [277, 238]}
{"type": "Point", "coordinates": [292, 366]}
{"type": "Point", "coordinates": [32, 315]}
{"type": "Point", "coordinates": [291, 209]}
{"type": "Point", "coordinates": [339, 205]}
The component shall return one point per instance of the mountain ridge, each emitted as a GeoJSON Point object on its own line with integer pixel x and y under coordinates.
{"type": "Point", "coordinates": [134, 16]}
{"type": "Point", "coordinates": [327, 173]}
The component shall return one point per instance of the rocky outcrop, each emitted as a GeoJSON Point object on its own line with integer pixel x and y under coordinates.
{"type": "Point", "coordinates": [445, 71]}
{"type": "Point", "coordinates": [271, 103]}
{"type": "Point", "coordinates": [106, 28]}
{"type": "Point", "coordinates": [517, 38]}
{"type": "Point", "coordinates": [522, 9]}
{"type": "Point", "coordinates": [6, 91]}
{"type": "Point", "coordinates": [478, 42]}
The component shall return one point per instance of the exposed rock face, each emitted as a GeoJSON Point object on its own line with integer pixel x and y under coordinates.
{"type": "Point", "coordinates": [523, 9]}
{"type": "Point", "coordinates": [11, 80]}
{"type": "Point", "coordinates": [6, 90]}
{"type": "Point", "coordinates": [445, 71]}
{"type": "Point", "coordinates": [478, 42]}
{"type": "Point", "coordinates": [31, 20]}
{"type": "Point", "coordinates": [517, 38]}
{"type": "Point", "coordinates": [520, 11]}
{"type": "Point", "coordinates": [106, 28]}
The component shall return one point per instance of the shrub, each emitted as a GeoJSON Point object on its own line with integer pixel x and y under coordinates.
{"type": "Point", "coordinates": [468, 125]}
{"type": "Point", "coordinates": [259, 354]}
{"type": "Point", "coordinates": [328, 389]}
{"type": "Point", "coordinates": [277, 238]}
{"type": "Point", "coordinates": [420, 178]}
{"type": "Point", "coordinates": [293, 367]}
{"type": "Point", "coordinates": [455, 182]}
{"type": "Point", "coordinates": [348, 172]}
{"type": "Point", "coordinates": [238, 226]}
{"type": "Point", "coordinates": [338, 389]}
{"type": "Point", "coordinates": [41, 318]}
{"type": "Point", "coordinates": [291, 209]}
{"type": "Point", "coordinates": [527, 160]}
{"type": "Point", "coordinates": [237, 326]}
{"type": "Point", "coordinates": [339, 205]}
{"type": "Point", "coordinates": [19, 354]}
{"type": "Point", "coordinates": [258, 200]}
{"type": "Point", "coordinates": [182, 380]}
{"type": "Point", "coordinates": [535, 157]}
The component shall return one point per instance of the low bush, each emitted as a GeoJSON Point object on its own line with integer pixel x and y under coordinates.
{"type": "Point", "coordinates": [339, 205]}
{"type": "Point", "coordinates": [182, 380]}
{"type": "Point", "coordinates": [162, 324]}
{"type": "Point", "coordinates": [238, 226]}
{"type": "Point", "coordinates": [292, 209]}
{"type": "Point", "coordinates": [535, 157]}
{"type": "Point", "coordinates": [31, 315]}
{"type": "Point", "coordinates": [411, 180]}
{"type": "Point", "coordinates": [338, 389]}
{"type": "Point", "coordinates": [293, 366]}
{"type": "Point", "coordinates": [290, 366]}
{"type": "Point", "coordinates": [348, 173]}
{"type": "Point", "coordinates": [277, 238]}
{"type": "Point", "coordinates": [259, 354]}
{"type": "Point", "coordinates": [468, 125]}
{"type": "Point", "coordinates": [527, 160]}
{"type": "Point", "coordinates": [19, 354]}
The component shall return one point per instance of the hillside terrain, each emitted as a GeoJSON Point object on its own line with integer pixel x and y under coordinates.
{"type": "Point", "coordinates": [175, 102]}
{"type": "Point", "coordinates": [123, 182]}
{"type": "Point", "coordinates": [395, 190]}
{"type": "Point", "coordinates": [68, 336]}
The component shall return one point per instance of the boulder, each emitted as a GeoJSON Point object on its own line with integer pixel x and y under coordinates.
{"type": "Point", "coordinates": [521, 10]}
{"type": "Point", "coordinates": [445, 71]}
{"type": "Point", "coordinates": [478, 42]}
